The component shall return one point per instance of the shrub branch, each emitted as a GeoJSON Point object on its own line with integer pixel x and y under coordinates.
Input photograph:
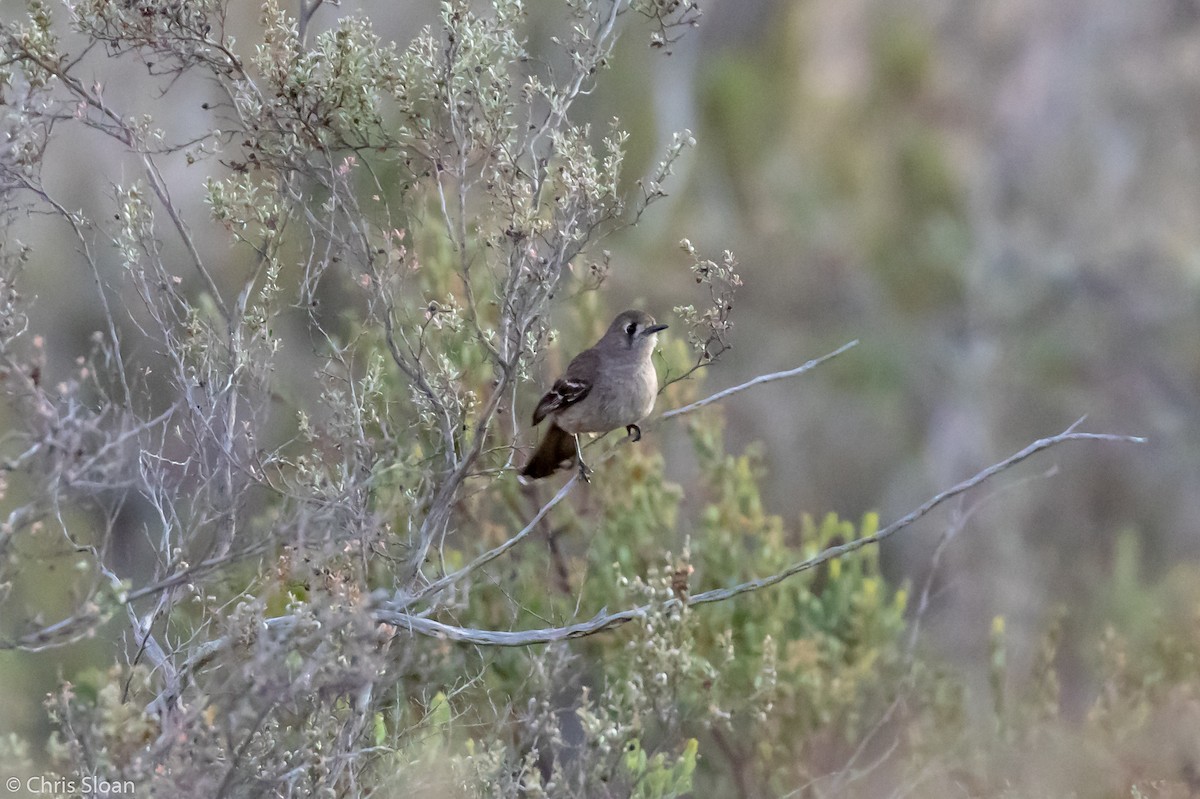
{"type": "Point", "coordinates": [389, 613]}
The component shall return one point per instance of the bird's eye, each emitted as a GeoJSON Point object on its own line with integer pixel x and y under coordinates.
{"type": "Point", "coordinates": [631, 328]}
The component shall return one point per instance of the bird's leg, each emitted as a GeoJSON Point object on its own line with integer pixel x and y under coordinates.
{"type": "Point", "coordinates": [634, 432]}
{"type": "Point", "coordinates": [584, 471]}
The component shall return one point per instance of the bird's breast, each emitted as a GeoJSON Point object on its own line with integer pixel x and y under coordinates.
{"type": "Point", "coordinates": [622, 397]}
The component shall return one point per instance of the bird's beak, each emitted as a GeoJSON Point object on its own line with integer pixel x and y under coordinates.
{"type": "Point", "coordinates": [653, 329]}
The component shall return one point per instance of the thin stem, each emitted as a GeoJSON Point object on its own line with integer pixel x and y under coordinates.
{"type": "Point", "coordinates": [496, 552]}
{"type": "Point", "coordinates": [768, 378]}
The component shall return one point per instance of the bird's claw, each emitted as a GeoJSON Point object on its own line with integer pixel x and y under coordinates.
{"type": "Point", "coordinates": [634, 432]}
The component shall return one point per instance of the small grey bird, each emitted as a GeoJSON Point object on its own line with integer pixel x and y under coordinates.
{"type": "Point", "coordinates": [611, 385]}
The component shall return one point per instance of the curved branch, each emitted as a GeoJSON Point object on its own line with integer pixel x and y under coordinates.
{"type": "Point", "coordinates": [391, 613]}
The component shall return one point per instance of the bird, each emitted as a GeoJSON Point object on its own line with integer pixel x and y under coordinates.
{"type": "Point", "coordinates": [611, 385]}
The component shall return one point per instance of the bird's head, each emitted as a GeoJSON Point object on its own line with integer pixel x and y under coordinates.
{"type": "Point", "coordinates": [634, 330]}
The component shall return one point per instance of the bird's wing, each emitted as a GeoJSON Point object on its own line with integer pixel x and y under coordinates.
{"type": "Point", "coordinates": [570, 388]}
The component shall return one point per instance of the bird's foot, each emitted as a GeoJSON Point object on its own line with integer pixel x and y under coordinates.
{"type": "Point", "coordinates": [584, 471]}
{"type": "Point", "coordinates": [634, 432]}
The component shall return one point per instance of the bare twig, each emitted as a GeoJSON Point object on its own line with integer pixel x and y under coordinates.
{"type": "Point", "coordinates": [497, 551]}
{"type": "Point", "coordinates": [768, 378]}
{"type": "Point", "coordinates": [124, 133]}
{"type": "Point", "coordinates": [850, 546]}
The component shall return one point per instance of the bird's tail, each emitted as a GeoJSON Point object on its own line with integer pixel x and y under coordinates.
{"type": "Point", "coordinates": [557, 451]}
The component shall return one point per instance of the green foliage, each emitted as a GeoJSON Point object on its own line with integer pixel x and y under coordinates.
{"type": "Point", "coordinates": [762, 685]}
{"type": "Point", "coordinates": [658, 779]}
{"type": "Point", "coordinates": [819, 652]}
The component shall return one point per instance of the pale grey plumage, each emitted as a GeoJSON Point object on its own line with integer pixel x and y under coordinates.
{"type": "Point", "coordinates": [611, 385]}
